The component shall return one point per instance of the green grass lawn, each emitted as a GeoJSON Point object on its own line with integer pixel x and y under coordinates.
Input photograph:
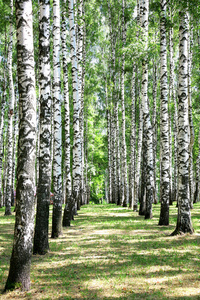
{"type": "Point", "coordinates": [110, 252]}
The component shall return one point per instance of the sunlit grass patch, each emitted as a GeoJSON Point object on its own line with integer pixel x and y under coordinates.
{"type": "Point", "coordinates": [110, 252]}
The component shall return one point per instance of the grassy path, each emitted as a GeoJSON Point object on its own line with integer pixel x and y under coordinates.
{"type": "Point", "coordinates": [110, 252]}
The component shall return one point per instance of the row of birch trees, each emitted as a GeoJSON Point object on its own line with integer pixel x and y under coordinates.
{"type": "Point", "coordinates": [102, 104]}
{"type": "Point", "coordinates": [159, 164]}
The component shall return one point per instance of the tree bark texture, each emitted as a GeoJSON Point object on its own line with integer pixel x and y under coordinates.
{"type": "Point", "coordinates": [76, 167]}
{"type": "Point", "coordinates": [41, 243]}
{"type": "Point", "coordinates": [184, 223]}
{"type": "Point", "coordinates": [57, 177]}
{"type": "Point", "coordinates": [147, 135]}
{"type": "Point", "coordinates": [68, 183]}
{"type": "Point", "coordinates": [8, 195]}
{"type": "Point", "coordinates": [19, 273]}
{"type": "Point", "coordinates": [164, 122]}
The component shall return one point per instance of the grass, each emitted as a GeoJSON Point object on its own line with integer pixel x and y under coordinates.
{"type": "Point", "coordinates": [110, 252]}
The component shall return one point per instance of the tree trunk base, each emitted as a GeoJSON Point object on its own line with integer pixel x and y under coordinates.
{"type": "Point", "coordinates": [163, 223]}
{"type": "Point", "coordinates": [8, 214]}
{"type": "Point", "coordinates": [67, 217]}
{"type": "Point", "coordinates": [40, 251]}
{"type": "Point", "coordinates": [148, 216]}
{"type": "Point", "coordinates": [178, 231]}
{"type": "Point", "coordinates": [135, 208]}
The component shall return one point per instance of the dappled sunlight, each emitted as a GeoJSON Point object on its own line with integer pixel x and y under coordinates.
{"type": "Point", "coordinates": [107, 256]}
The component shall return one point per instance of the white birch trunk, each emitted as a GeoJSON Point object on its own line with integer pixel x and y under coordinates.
{"type": "Point", "coordinates": [57, 177]}
{"type": "Point", "coordinates": [139, 153]}
{"type": "Point", "coordinates": [191, 144]}
{"type": "Point", "coordinates": [184, 223]}
{"type": "Point", "coordinates": [41, 243]}
{"type": "Point", "coordinates": [10, 119]}
{"type": "Point", "coordinates": [68, 181]}
{"type": "Point", "coordinates": [170, 155]}
{"type": "Point", "coordinates": [114, 158]}
{"type": "Point", "coordinates": [154, 123]}
{"type": "Point", "coordinates": [19, 273]}
{"type": "Point", "coordinates": [76, 168]}
{"type": "Point", "coordinates": [132, 204]}
{"type": "Point", "coordinates": [15, 138]}
{"type": "Point", "coordinates": [147, 140]}
{"type": "Point", "coordinates": [164, 122]}
{"type": "Point", "coordinates": [81, 98]}
{"type": "Point", "coordinates": [124, 159]}
{"type": "Point", "coordinates": [196, 194]}
{"type": "Point", "coordinates": [84, 176]}
{"type": "Point", "coordinates": [109, 147]}
{"type": "Point", "coordinates": [175, 117]}
{"type": "Point", "coordinates": [118, 199]}
{"type": "Point", "coordinates": [3, 102]}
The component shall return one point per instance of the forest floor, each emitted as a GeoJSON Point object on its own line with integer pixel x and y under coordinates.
{"type": "Point", "coordinates": [110, 252]}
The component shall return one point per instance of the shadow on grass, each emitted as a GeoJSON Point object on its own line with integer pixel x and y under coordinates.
{"type": "Point", "coordinates": [112, 257]}
{"type": "Point", "coordinates": [85, 282]}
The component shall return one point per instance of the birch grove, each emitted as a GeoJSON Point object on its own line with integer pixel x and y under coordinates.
{"type": "Point", "coordinates": [116, 119]}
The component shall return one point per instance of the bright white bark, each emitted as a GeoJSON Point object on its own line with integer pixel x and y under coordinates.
{"type": "Point", "coordinates": [15, 138]}
{"type": "Point", "coordinates": [81, 96]}
{"type": "Point", "coordinates": [154, 123]}
{"type": "Point", "coordinates": [147, 135]}
{"type": "Point", "coordinates": [76, 168]}
{"type": "Point", "coordinates": [164, 121]}
{"type": "Point", "coordinates": [19, 273]}
{"type": "Point", "coordinates": [124, 159]}
{"type": "Point", "coordinates": [172, 98]}
{"type": "Point", "coordinates": [67, 148]}
{"type": "Point", "coordinates": [132, 204]}
{"type": "Point", "coordinates": [57, 179]}
{"type": "Point", "coordinates": [10, 119]}
{"type": "Point", "coordinates": [3, 102]}
{"type": "Point", "coordinates": [184, 223]}
{"type": "Point", "coordinates": [114, 158]}
{"type": "Point", "coordinates": [118, 160]}
{"type": "Point", "coordinates": [41, 244]}
{"type": "Point", "coordinates": [197, 194]}
{"type": "Point", "coordinates": [109, 147]}
{"type": "Point", "coordinates": [191, 144]}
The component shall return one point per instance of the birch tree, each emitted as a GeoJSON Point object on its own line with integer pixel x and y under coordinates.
{"type": "Point", "coordinates": [109, 145]}
{"type": "Point", "coordinates": [196, 193]}
{"type": "Point", "coordinates": [57, 179]}
{"type": "Point", "coordinates": [41, 244]}
{"type": "Point", "coordinates": [81, 96]}
{"type": "Point", "coordinates": [15, 138]}
{"type": "Point", "coordinates": [10, 119]}
{"type": "Point", "coordinates": [68, 183]}
{"type": "Point", "coordinates": [154, 123]}
{"type": "Point", "coordinates": [124, 160]}
{"type": "Point", "coordinates": [172, 99]}
{"type": "Point", "coordinates": [191, 144]}
{"type": "Point", "coordinates": [132, 204]}
{"type": "Point", "coordinates": [76, 168]}
{"type": "Point", "coordinates": [3, 102]}
{"type": "Point", "coordinates": [184, 223]}
{"type": "Point", "coordinates": [19, 273]}
{"type": "Point", "coordinates": [147, 135]}
{"type": "Point", "coordinates": [164, 121]}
